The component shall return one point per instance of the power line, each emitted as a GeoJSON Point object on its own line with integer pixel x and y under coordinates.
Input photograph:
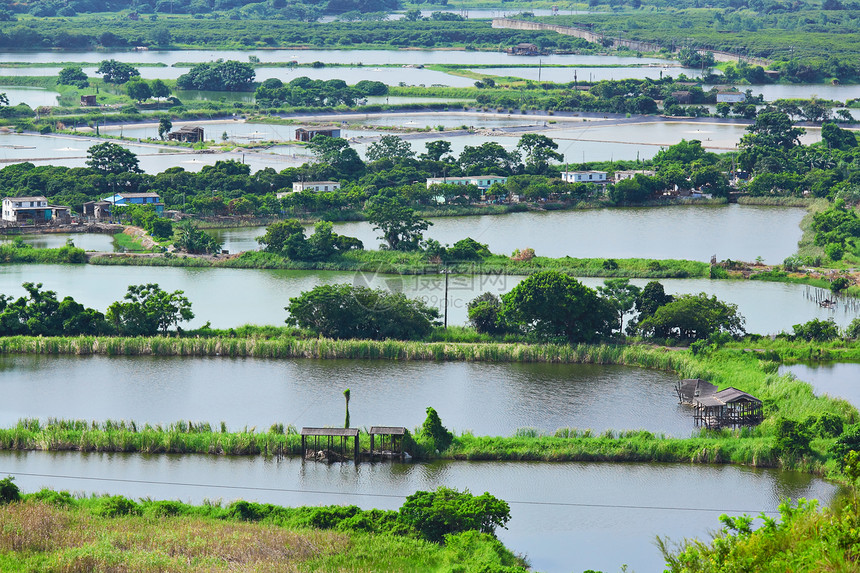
{"type": "Point", "coordinates": [388, 495]}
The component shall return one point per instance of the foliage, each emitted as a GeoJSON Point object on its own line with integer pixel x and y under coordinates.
{"type": "Point", "coordinates": [693, 317]}
{"type": "Point", "coordinates": [433, 430]}
{"type": "Point", "coordinates": [792, 438]}
{"type": "Point", "coordinates": [484, 311]}
{"type": "Point", "coordinates": [110, 158]}
{"type": "Point", "coordinates": [853, 330]}
{"type": "Point", "coordinates": [41, 314]}
{"type": "Point", "coordinates": [389, 147]}
{"type": "Point", "coordinates": [114, 72]}
{"type": "Point", "coordinates": [817, 330]}
{"type": "Point", "coordinates": [220, 75]}
{"type": "Point", "coordinates": [73, 76]}
{"type": "Point", "coordinates": [287, 238]}
{"type": "Point", "coordinates": [138, 90]}
{"type": "Point", "coordinates": [622, 295]}
{"type": "Point", "coordinates": [9, 492]}
{"type": "Point", "coordinates": [401, 227]}
{"type": "Point", "coordinates": [194, 240]}
{"type": "Point", "coordinates": [346, 311]}
{"type": "Point", "coordinates": [553, 305]}
{"type": "Point", "coordinates": [447, 511]}
{"type": "Point", "coordinates": [149, 310]}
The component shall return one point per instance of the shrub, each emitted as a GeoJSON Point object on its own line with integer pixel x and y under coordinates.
{"type": "Point", "coordinates": [817, 330]}
{"type": "Point", "coordinates": [116, 505]}
{"type": "Point", "coordinates": [9, 492]}
{"type": "Point", "coordinates": [484, 313]}
{"type": "Point", "coordinates": [853, 330]}
{"type": "Point", "coordinates": [433, 429]}
{"type": "Point", "coordinates": [834, 251]}
{"type": "Point", "coordinates": [524, 255]}
{"type": "Point", "coordinates": [792, 438]}
{"type": "Point", "coordinates": [445, 511]}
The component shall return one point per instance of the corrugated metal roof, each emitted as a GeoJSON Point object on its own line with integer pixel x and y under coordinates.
{"type": "Point", "coordinates": [349, 432]}
{"type": "Point", "coordinates": [390, 430]}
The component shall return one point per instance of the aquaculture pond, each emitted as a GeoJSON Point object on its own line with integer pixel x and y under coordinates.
{"type": "Point", "coordinates": [768, 307]}
{"type": "Point", "coordinates": [565, 516]}
{"type": "Point", "coordinates": [839, 380]}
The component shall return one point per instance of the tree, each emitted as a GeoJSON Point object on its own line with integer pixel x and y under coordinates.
{"type": "Point", "coordinates": [112, 158]}
{"type": "Point", "coordinates": [435, 150]}
{"type": "Point", "coordinates": [553, 305]}
{"type": "Point", "coordinates": [346, 311]}
{"type": "Point", "coordinates": [115, 72]}
{"type": "Point", "coordinates": [488, 158]}
{"type": "Point", "coordinates": [838, 138]}
{"type": "Point", "coordinates": [196, 241]}
{"type": "Point", "coordinates": [287, 238]}
{"type": "Point", "coordinates": [9, 492]}
{"type": "Point", "coordinates": [41, 314]}
{"type": "Point", "coordinates": [401, 227]}
{"type": "Point", "coordinates": [336, 152]}
{"type": "Point", "coordinates": [218, 76]}
{"type": "Point", "coordinates": [148, 310]}
{"type": "Point", "coordinates": [817, 330]}
{"type": "Point", "coordinates": [772, 128]}
{"type": "Point", "coordinates": [161, 36]}
{"type": "Point", "coordinates": [389, 147]}
{"type": "Point", "coordinates": [138, 90]}
{"type": "Point", "coordinates": [694, 317]}
{"type": "Point", "coordinates": [484, 313]}
{"type": "Point", "coordinates": [433, 430]}
{"type": "Point", "coordinates": [538, 150]}
{"type": "Point", "coordinates": [447, 511]}
{"type": "Point", "coordinates": [159, 89]}
{"type": "Point", "coordinates": [622, 295]}
{"type": "Point", "coordinates": [164, 126]}
{"type": "Point", "coordinates": [73, 76]}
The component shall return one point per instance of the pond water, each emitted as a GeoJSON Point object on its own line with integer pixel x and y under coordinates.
{"type": "Point", "coordinates": [767, 307]}
{"type": "Point", "coordinates": [487, 399]}
{"type": "Point", "coordinates": [34, 97]}
{"type": "Point", "coordinates": [236, 130]}
{"type": "Point", "coordinates": [85, 241]}
{"type": "Point", "coordinates": [564, 516]}
{"type": "Point", "coordinates": [839, 380]}
{"type": "Point", "coordinates": [365, 57]}
{"type": "Point", "coordinates": [772, 92]}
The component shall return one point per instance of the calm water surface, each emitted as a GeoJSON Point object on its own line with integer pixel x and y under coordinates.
{"type": "Point", "coordinates": [839, 380]}
{"type": "Point", "coordinates": [488, 399]}
{"type": "Point", "coordinates": [555, 538]}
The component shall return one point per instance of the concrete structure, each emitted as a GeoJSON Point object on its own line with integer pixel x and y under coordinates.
{"type": "Point", "coordinates": [303, 134]}
{"type": "Point", "coordinates": [89, 100]}
{"type": "Point", "coordinates": [731, 97]}
{"type": "Point", "coordinates": [34, 210]}
{"type": "Point", "coordinates": [683, 97]}
{"type": "Point", "coordinates": [596, 177]}
{"type": "Point", "coordinates": [622, 175]}
{"type": "Point", "coordinates": [187, 133]}
{"type": "Point", "coordinates": [316, 186]}
{"type": "Point", "coordinates": [482, 182]}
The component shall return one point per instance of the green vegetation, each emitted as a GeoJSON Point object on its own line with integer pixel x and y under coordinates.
{"type": "Point", "coordinates": [20, 252]}
{"type": "Point", "coordinates": [109, 532]}
{"type": "Point", "coordinates": [147, 310]}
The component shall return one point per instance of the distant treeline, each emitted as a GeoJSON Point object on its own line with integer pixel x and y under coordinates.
{"type": "Point", "coordinates": [120, 32]}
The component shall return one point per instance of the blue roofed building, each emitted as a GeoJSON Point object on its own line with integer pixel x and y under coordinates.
{"type": "Point", "coordinates": [125, 199]}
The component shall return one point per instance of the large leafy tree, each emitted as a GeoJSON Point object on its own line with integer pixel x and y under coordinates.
{"type": "Point", "coordinates": [389, 147]}
{"type": "Point", "coordinates": [41, 314]}
{"type": "Point", "coordinates": [622, 295]}
{"type": "Point", "coordinates": [694, 317]}
{"type": "Point", "coordinates": [553, 305]}
{"type": "Point", "coordinates": [147, 310]}
{"type": "Point", "coordinates": [73, 76]}
{"type": "Point", "coordinates": [538, 150]}
{"type": "Point", "coordinates": [401, 227]}
{"type": "Point", "coordinates": [218, 76]}
{"type": "Point", "coordinates": [138, 90]}
{"type": "Point", "coordinates": [115, 72]}
{"type": "Point", "coordinates": [112, 158]}
{"type": "Point", "coordinates": [488, 158]}
{"type": "Point", "coordinates": [336, 153]}
{"type": "Point", "coordinates": [346, 311]}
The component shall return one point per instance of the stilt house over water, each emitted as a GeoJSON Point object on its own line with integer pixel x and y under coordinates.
{"type": "Point", "coordinates": [715, 409]}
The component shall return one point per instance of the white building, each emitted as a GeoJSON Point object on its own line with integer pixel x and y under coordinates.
{"type": "Point", "coordinates": [596, 177]}
{"type": "Point", "coordinates": [731, 97]}
{"type": "Point", "coordinates": [316, 186]}
{"type": "Point", "coordinates": [622, 175]}
{"type": "Point", "coordinates": [33, 210]}
{"type": "Point", "coordinates": [482, 182]}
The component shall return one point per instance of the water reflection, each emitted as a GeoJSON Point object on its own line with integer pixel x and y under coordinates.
{"type": "Point", "coordinates": [838, 380]}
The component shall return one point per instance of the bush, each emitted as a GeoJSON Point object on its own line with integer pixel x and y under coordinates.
{"type": "Point", "coordinates": [834, 251]}
{"type": "Point", "coordinates": [817, 330]}
{"type": "Point", "coordinates": [9, 492]}
{"type": "Point", "coordinates": [853, 330]}
{"type": "Point", "coordinates": [849, 441]}
{"type": "Point", "coordinates": [117, 505]}
{"type": "Point", "coordinates": [447, 511]}
{"type": "Point", "coordinates": [792, 438]}
{"type": "Point", "coordinates": [484, 313]}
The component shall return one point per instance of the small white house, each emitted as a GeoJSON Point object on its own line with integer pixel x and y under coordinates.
{"type": "Point", "coordinates": [596, 177]}
{"type": "Point", "coordinates": [482, 182]}
{"type": "Point", "coordinates": [316, 186]}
